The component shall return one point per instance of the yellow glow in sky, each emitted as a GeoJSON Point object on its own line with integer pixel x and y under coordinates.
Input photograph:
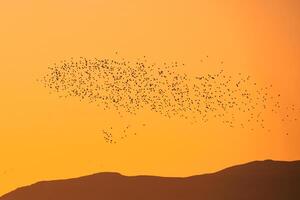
{"type": "Point", "coordinates": [44, 137]}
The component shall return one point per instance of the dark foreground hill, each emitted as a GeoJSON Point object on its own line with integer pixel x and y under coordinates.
{"type": "Point", "coordinates": [259, 180]}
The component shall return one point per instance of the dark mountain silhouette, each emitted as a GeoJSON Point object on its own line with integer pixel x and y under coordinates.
{"type": "Point", "coordinates": [259, 180]}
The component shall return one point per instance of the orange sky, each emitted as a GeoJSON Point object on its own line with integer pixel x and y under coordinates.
{"type": "Point", "coordinates": [44, 137]}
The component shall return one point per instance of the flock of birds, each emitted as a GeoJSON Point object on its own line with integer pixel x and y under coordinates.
{"type": "Point", "coordinates": [130, 87]}
{"type": "Point", "coordinates": [110, 138]}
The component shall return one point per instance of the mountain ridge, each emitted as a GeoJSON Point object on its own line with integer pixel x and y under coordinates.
{"type": "Point", "coordinates": [266, 179]}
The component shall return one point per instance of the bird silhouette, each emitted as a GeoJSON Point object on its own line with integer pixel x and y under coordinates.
{"type": "Point", "coordinates": [130, 87]}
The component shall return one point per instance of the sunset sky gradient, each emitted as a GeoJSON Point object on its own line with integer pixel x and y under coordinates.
{"type": "Point", "coordinates": [43, 137]}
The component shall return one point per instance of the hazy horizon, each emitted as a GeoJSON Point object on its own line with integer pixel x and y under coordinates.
{"type": "Point", "coordinates": [44, 137]}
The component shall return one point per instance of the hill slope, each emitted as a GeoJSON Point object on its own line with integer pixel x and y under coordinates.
{"type": "Point", "coordinates": [265, 180]}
